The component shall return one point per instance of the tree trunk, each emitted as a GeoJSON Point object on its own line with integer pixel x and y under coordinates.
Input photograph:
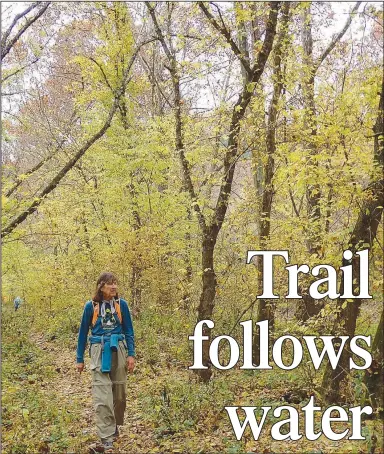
{"type": "Point", "coordinates": [210, 231]}
{"type": "Point", "coordinates": [308, 307]}
{"type": "Point", "coordinates": [207, 297]}
{"type": "Point", "coordinates": [136, 272]}
{"type": "Point", "coordinates": [374, 376]}
{"type": "Point", "coordinates": [266, 308]}
{"type": "Point", "coordinates": [335, 382]}
{"type": "Point", "coordinates": [136, 290]}
{"type": "Point", "coordinates": [187, 280]}
{"type": "Point", "coordinates": [242, 39]}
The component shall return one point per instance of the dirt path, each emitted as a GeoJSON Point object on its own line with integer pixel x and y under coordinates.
{"type": "Point", "coordinates": [135, 436]}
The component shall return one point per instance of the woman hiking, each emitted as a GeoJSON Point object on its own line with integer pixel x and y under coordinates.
{"type": "Point", "coordinates": [112, 352]}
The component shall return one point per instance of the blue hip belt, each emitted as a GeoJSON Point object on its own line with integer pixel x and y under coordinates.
{"type": "Point", "coordinates": [109, 344]}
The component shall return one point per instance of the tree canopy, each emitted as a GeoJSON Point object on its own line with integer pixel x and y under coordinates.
{"type": "Point", "coordinates": [162, 140]}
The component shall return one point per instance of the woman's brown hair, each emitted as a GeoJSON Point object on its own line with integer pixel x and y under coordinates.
{"type": "Point", "coordinates": [104, 278]}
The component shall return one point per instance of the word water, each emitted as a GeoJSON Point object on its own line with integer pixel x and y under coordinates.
{"type": "Point", "coordinates": [291, 424]}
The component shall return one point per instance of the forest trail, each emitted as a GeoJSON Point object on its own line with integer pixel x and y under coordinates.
{"type": "Point", "coordinates": [163, 141]}
{"type": "Point", "coordinates": [76, 390]}
{"type": "Point", "coordinates": [47, 405]}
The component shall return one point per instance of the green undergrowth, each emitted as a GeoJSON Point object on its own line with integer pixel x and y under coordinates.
{"type": "Point", "coordinates": [182, 414]}
{"type": "Point", "coordinates": [34, 414]}
{"type": "Point", "coordinates": [185, 412]}
{"type": "Point", "coordinates": [189, 416]}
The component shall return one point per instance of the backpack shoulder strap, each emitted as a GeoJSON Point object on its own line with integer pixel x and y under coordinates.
{"type": "Point", "coordinates": [118, 310]}
{"type": "Point", "coordinates": [96, 308]}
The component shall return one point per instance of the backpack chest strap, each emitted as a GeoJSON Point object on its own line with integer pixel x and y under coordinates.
{"type": "Point", "coordinates": [96, 312]}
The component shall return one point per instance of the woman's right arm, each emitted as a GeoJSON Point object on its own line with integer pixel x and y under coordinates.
{"type": "Point", "coordinates": [83, 332]}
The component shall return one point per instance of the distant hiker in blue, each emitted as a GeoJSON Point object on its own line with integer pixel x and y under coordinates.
{"type": "Point", "coordinates": [112, 354]}
{"type": "Point", "coordinates": [17, 302]}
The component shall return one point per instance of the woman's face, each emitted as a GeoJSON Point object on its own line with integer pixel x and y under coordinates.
{"type": "Point", "coordinates": [109, 290]}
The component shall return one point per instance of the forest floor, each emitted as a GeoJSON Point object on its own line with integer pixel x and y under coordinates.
{"type": "Point", "coordinates": [47, 406]}
{"type": "Point", "coordinates": [71, 428]}
{"type": "Point", "coordinates": [134, 436]}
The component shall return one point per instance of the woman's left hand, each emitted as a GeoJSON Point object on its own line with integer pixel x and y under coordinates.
{"type": "Point", "coordinates": [130, 363]}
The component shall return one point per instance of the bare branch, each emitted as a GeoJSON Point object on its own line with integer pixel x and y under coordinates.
{"type": "Point", "coordinates": [152, 76]}
{"type": "Point", "coordinates": [6, 47]}
{"type": "Point", "coordinates": [19, 70]}
{"type": "Point", "coordinates": [21, 178]}
{"type": "Point", "coordinates": [14, 22]}
{"type": "Point", "coordinates": [159, 32]}
{"type": "Point", "coordinates": [297, 212]}
{"type": "Point", "coordinates": [227, 35]}
{"type": "Point", "coordinates": [336, 38]}
{"type": "Point", "coordinates": [102, 72]}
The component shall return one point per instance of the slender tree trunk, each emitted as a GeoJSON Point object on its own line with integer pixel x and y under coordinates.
{"type": "Point", "coordinates": [136, 289]}
{"type": "Point", "coordinates": [374, 376]}
{"type": "Point", "coordinates": [210, 235]}
{"type": "Point", "coordinates": [242, 40]}
{"type": "Point", "coordinates": [266, 308]}
{"type": "Point", "coordinates": [86, 241]}
{"type": "Point", "coordinates": [187, 280]}
{"type": "Point", "coordinates": [136, 272]}
{"type": "Point", "coordinates": [207, 297]}
{"type": "Point", "coordinates": [335, 381]}
{"type": "Point", "coordinates": [308, 306]}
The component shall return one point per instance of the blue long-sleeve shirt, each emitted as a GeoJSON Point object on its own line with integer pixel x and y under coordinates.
{"type": "Point", "coordinates": [101, 328]}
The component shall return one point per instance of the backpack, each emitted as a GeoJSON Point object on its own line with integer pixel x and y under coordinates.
{"type": "Point", "coordinates": [96, 310]}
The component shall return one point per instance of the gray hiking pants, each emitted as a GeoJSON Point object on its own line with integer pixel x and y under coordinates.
{"type": "Point", "coordinates": [109, 390]}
